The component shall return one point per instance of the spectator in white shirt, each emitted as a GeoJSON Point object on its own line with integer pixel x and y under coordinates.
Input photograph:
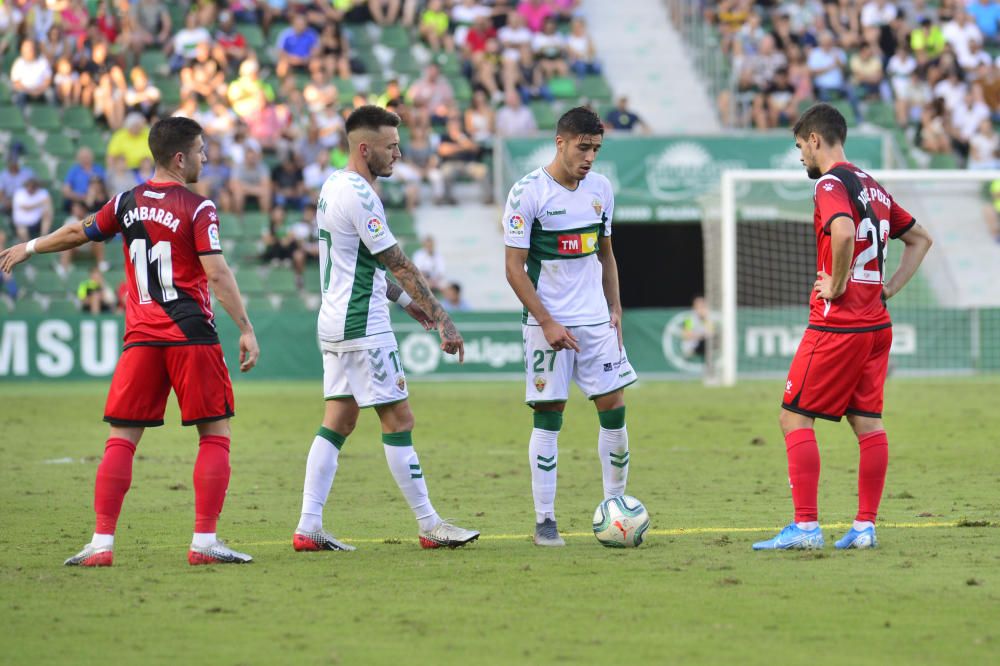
{"type": "Point", "coordinates": [951, 89]}
{"type": "Point", "coordinates": [960, 31]}
{"type": "Point", "coordinates": [878, 13]}
{"type": "Point", "coordinates": [31, 76]}
{"type": "Point", "coordinates": [182, 47]}
{"type": "Point", "coordinates": [429, 262]}
{"type": "Point", "coordinates": [316, 173]}
{"type": "Point", "coordinates": [984, 146]}
{"type": "Point", "coordinates": [32, 211]}
{"type": "Point", "coordinates": [580, 49]}
{"type": "Point", "coordinates": [966, 118]}
{"type": "Point", "coordinates": [515, 119]}
{"type": "Point", "coordinates": [549, 48]}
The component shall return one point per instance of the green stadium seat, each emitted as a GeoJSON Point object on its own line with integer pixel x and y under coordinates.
{"type": "Point", "coordinates": [943, 161]}
{"type": "Point", "coordinates": [345, 89]}
{"type": "Point", "coordinates": [11, 119]}
{"type": "Point", "coordinates": [58, 145]}
{"type": "Point", "coordinates": [96, 141]}
{"type": "Point", "coordinates": [882, 114]}
{"type": "Point", "coordinates": [29, 306]}
{"type": "Point", "coordinates": [463, 91]}
{"type": "Point", "coordinates": [545, 117]}
{"type": "Point", "coordinates": [563, 87]}
{"type": "Point", "coordinates": [63, 307]}
{"type": "Point", "coordinates": [27, 142]}
{"type": "Point", "coordinates": [78, 118]}
{"type": "Point", "coordinates": [403, 63]}
{"type": "Point", "coordinates": [40, 167]}
{"type": "Point", "coordinates": [170, 91]}
{"type": "Point", "coordinates": [154, 61]}
{"type": "Point", "coordinates": [395, 36]}
{"type": "Point", "coordinates": [254, 36]}
{"type": "Point", "coordinates": [250, 281]}
{"type": "Point", "coordinates": [254, 224]}
{"type": "Point", "coordinates": [281, 281]}
{"type": "Point", "coordinates": [448, 63]}
{"type": "Point", "coordinates": [45, 118]}
{"type": "Point", "coordinates": [595, 88]}
{"type": "Point", "coordinates": [47, 281]}
{"type": "Point", "coordinates": [247, 252]}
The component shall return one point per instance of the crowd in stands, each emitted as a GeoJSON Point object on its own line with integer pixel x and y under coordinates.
{"type": "Point", "coordinates": [272, 83]}
{"type": "Point", "coordinates": [932, 66]}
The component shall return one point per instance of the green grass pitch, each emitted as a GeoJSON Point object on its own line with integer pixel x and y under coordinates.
{"type": "Point", "coordinates": [708, 463]}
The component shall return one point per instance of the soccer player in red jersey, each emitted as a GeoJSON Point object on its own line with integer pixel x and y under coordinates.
{"type": "Point", "coordinates": [840, 365]}
{"type": "Point", "coordinates": [172, 255]}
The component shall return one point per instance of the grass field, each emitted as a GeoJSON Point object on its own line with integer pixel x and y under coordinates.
{"type": "Point", "coordinates": [709, 464]}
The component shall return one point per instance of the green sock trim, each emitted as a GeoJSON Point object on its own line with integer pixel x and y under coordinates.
{"type": "Point", "coordinates": [334, 438]}
{"type": "Point", "coordinates": [551, 421]}
{"type": "Point", "coordinates": [398, 438]}
{"type": "Point", "coordinates": [613, 419]}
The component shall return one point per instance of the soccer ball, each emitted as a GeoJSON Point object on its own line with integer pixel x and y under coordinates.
{"type": "Point", "coordinates": [620, 522]}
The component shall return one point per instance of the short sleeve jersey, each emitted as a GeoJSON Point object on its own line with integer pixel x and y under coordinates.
{"type": "Point", "coordinates": [165, 227]}
{"type": "Point", "coordinates": [354, 313]}
{"type": "Point", "coordinates": [560, 228]}
{"type": "Point", "coordinates": [845, 190]}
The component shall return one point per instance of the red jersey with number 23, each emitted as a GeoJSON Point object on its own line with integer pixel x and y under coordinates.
{"type": "Point", "coordinates": [846, 190]}
{"type": "Point", "coordinates": [166, 227]}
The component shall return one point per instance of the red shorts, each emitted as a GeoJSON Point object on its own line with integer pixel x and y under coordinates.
{"type": "Point", "coordinates": [145, 375]}
{"type": "Point", "coordinates": [834, 374]}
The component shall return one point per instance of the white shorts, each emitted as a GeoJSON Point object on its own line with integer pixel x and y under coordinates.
{"type": "Point", "coordinates": [598, 368]}
{"type": "Point", "coordinates": [370, 376]}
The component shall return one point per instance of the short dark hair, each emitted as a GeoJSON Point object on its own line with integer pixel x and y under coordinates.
{"type": "Point", "coordinates": [580, 120]}
{"type": "Point", "coordinates": [171, 136]}
{"type": "Point", "coordinates": [371, 117]}
{"type": "Point", "coordinates": [824, 120]}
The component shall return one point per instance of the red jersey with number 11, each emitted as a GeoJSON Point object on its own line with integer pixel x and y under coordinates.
{"type": "Point", "coordinates": [166, 227]}
{"type": "Point", "coordinates": [846, 190]}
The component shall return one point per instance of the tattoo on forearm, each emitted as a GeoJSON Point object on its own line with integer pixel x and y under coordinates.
{"type": "Point", "coordinates": [413, 283]}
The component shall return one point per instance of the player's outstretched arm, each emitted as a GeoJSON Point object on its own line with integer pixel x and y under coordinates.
{"type": "Point", "coordinates": [414, 284]}
{"type": "Point", "coordinates": [916, 242]}
{"type": "Point", "coordinates": [227, 292]}
{"type": "Point", "coordinates": [609, 281]}
{"type": "Point", "coordinates": [64, 238]}
{"type": "Point", "coordinates": [557, 335]}
{"type": "Point", "coordinates": [396, 294]}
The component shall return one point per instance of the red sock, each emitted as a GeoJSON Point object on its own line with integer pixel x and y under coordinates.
{"type": "Point", "coordinates": [871, 473]}
{"type": "Point", "coordinates": [114, 476]}
{"type": "Point", "coordinates": [803, 472]}
{"type": "Point", "coordinates": [211, 478]}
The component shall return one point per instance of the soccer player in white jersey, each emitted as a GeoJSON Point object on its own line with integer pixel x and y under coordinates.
{"type": "Point", "coordinates": [361, 364]}
{"type": "Point", "coordinates": [557, 229]}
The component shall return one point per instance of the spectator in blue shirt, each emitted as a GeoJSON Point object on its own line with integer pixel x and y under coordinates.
{"type": "Point", "coordinates": [826, 64]}
{"type": "Point", "coordinates": [296, 45]}
{"type": "Point", "coordinates": [78, 178]}
{"type": "Point", "coordinates": [986, 14]}
{"type": "Point", "coordinates": [621, 119]}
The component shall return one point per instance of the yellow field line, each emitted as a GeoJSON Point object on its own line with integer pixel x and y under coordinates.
{"type": "Point", "coordinates": [679, 531]}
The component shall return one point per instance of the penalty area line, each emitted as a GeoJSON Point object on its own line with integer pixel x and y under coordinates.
{"type": "Point", "coordinates": [679, 531]}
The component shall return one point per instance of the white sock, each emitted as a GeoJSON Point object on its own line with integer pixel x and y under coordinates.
{"type": "Point", "coordinates": [203, 539]}
{"type": "Point", "coordinates": [321, 467]}
{"type": "Point", "coordinates": [808, 526]}
{"type": "Point", "coordinates": [102, 540]}
{"type": "Point", "coordinates": [409, 475]}
{"type": "Point", "coordinates": [612, 448]}
{"type": "Point", "coordinates": [862, 525]}
{"type": "Point", "coordinates": [543, 454]}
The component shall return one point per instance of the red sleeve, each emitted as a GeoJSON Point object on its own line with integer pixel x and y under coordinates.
{"type": "Point", "coordinates": [832, 201]}
{"type": "Point", "coordinates": [900, 220]}
{"type": "Point", "coordinates": [105, 223]}
{"type": "Point", "coordinates": [206, 229]}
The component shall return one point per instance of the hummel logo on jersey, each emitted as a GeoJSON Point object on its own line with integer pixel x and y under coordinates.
{"type": "Point", "coordinates": [550, 213]}
{"type": "Point", "coordinates": [576, 243]}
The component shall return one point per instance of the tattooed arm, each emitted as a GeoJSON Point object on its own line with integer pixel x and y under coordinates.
{"type": "Point", "coordinates": [396, 294]}
{"type": "Point", "coordinates": [414, 284]}
{"type": "Point", "coordinates": [64, 238]}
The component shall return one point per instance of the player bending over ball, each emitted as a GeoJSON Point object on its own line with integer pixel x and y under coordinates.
{"type": "Point", "coordinates": [840, 365]}
{"type": "Point", "coordinates": [172, 255]}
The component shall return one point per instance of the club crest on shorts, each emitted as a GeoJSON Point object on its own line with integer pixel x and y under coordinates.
{"type": "Point", "coordinates": [596, 203]}
{"type": "Point", "coordinates": [401, 383]}
{"type": "Point", "coordinates": [540, 383]}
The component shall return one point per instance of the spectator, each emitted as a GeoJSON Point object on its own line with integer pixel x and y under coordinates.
{"type": "Point", "coordinates": [966, 118]}
{"type": "Point", "coordinates": [512, 37]}
{"type": "Point", "coordinates": [927, 42]}
{"type": "Point", "coordinates": [580, 49]}
{"type": "Point", "coordinates": [698, 329]}
{"type": "Point", "coordinates": [119, 177]}
{"type": "Point", "coordinates": [451, 298]}
{"type": "Point", "coordinates": [78, 178]}
{"type": "Point", "coordinates": [751, 33]}
{"type": "Point", "coordinates": [103, 85]}
{"type": "Point", "coordinates": [78, 211]}
{"type": "Point", "coordinates": [316, 172]}
{"type": "Point", "coordinates": [144, 173]}
{"type": "Point", "coordinates": [430, 262]}
{"type": "Point", "coordinates": [826, 63]}
{"type": "Point", "coordinates": [306, 235]}
{"type": "Point", "coordinates": [911, 103]}
{"type": "Point", "coordinates": [320, 92]}
{"type": "Point", "coordinates": [31, 76]}
{"type": "Point", "coordinates": [459, 156]}
{"type": "Point", "coordinates": [480, 121]}
{"type": "Point", "coordinates": [12, 179]}
{"type": "Point", "coordinates": [74, 19]}
{"type": "Point", "coordinates": [992, 219]}
{"type": "Point", "coordinates": [878, 13]}
{"type": "Point", "coordinates": [975, 57]}
{"type": "Point", "coordinates": [799, 75]}
{"type": "Point", "coordinates": [142, 96]}
{"type": "Point", "coordinates": [434, 27]}
{"type": "Point", "coordinates": [148, 25]}
{"type": "Point", "coordinates": [203, 77]}
{"type": "Point", "coordinates": [11, 19]}
{"type": "Point", "coordinates": [535, 12]}
{"type": "Point", "coordinates": [297, 45]}
{"type": "Point", "coordinates": [31, 211]}
{"type": "Point", "coordinates": [56, 44]}
{"type": "Point", "coordinates": [960, 32]}
{"type": "Point", "coordinates": [288, 186]}
{"type": "Point", "coordinates": [94, 295]}
{"type": "Point", "coordinates": [248, 94]}
{"type": "Point", "coordinates": [622, 119]}
{"type": "Point", "coordinates": [230, 45]}
{"type": "Point", "coordinates": [482, 56]}
{"type": "Point", "coordinates": [867, 73]}
{"type": "Point", "coordinates": [422, 154]}
{"type": "Point", "coordinates": [986, 14]}
{"type": "Point", "coordinates": [213, 183]}
{"type": "Point", "coordinates": [984, 147]}
{"type": "Point", "coordinates": [279, 244]}
{"type": "Point", "coordinates": [183, 46]}
{"type": "Point", "coordinates": [776, 106]}
{"type": "Point", "coordinates": [237, 147]}
{"type": "Point", "coordinates": [951, 89]}
{"type": "Point", "coordinates": [334, 56]}
{"type": "Point", "coordinates": [515, 119]}
{"type": "Point", "coordinates": [934, 136]}
{"type": "Point", "coordinates": [549, 49]}
{"type": "Point", "coordinates": [131, 141]}
{"type": "Point", "coordinates": [330, 125]}
{"type": "Point", "coordinates": [39, 17]}
{"type": "Point", "coordinates": [784, 37]}
{"type": "Point", "coordinates": [251, 179]}
{"type": "Point", "coordinates": [430, 95]}
{"type": "Point", "coordinates": [529, 79]}
{"type": "Point", "coordinates": [464, 14]}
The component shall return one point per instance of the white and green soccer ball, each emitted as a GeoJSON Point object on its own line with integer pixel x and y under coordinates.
{"type": "Point", "coordinates": [620, 522]}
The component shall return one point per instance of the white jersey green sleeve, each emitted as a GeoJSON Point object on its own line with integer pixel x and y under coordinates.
{"type": "Point", "coordinates": [352, 229]}
{"type": "Point", "coordinates": [560, 229]}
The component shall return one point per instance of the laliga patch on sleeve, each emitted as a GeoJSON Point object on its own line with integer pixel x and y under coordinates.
{"type": "Point", "coordinates": [213, 237]}
{"type": "Point", "coordinates": [376, 229]}
{"type": "Point", "coordinates": [515, 226]}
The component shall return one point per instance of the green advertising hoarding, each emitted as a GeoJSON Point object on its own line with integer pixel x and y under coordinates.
{"type": "Point", "coordinates": [926, 341]}
{"type": "Point", "coordinates": [664, 178]}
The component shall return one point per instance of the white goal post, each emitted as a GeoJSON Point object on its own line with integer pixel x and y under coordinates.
{"type": "Point", "coordinates": [761, 224]}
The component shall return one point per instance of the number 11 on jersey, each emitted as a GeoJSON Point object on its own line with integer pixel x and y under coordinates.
{"type": "Point", "coordinates": [141, 262]}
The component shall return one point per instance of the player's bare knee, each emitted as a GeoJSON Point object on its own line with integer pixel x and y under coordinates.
{"type": "Point", "coordinates": [218, 428]}
{"type": "Point", "coordinates": [549, 406]}
{"type": "Point", "coordinates": [790, 421]}
{"type": "Point", "coordinates": [862, 425]}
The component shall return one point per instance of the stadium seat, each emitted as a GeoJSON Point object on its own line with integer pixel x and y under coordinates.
{"type": "Point", "coordinates": [29, 306]}
{"type": "Point", "coordinates": [47, 281]}
{"type": "Point", "coordinates": [154, 61]}
{"type": "Point", "coordinates": [78, 118]}
{"type": "Point", "coordinates": [281, 281]}
{"type": "Point", "coordinates": [545, 116]}
{"type": "Point", "coordinates": [250, 281]}
{"type": "Point", "coordinates": [463, 91]}
{"type": "Point", "coordinates": [63, 307]}
{"type": "Point", "coordinates": [881, 114]}
{"type": "Point", "coordinates": [395, 37]}
{"type": "Point", "coordinates": [40, 167]}
{"type": "Point", "coordinates": [254, 36]}
{"type": "Point", "coordinates": [11, 119]}
{"type": "Point", "coordinates": [170, 91]}
{"type": "Point", "coordinates": [562, 87]}
{"type": "Point", "coordinates": [97, 142]}
{"type": "Point", "coordinates": [254, 224]}
{"type": "Point", "coordinates": [345, 89]}
{"type": "Point", "coordinates": [45, 118]}
{"type": "Point", "coordinates": [58, 145]}
{"type": "Point", "coordinates": [595, 88]}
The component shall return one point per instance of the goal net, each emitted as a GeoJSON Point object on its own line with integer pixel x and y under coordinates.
{"type": "Point", "coordinates": [760, 265]}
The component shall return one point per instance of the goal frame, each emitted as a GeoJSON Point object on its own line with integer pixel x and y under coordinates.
{"type": "Point", "coordinates": [728, 314]}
